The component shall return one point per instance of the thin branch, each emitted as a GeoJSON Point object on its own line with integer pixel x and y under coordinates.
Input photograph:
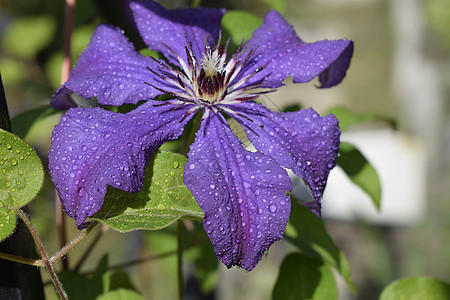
{"type": "Point", "coordinates": [150, 257]}
{"type": "Point", "coordinates": [48, 264]}
{"type": "Point", "coordinates": [63, 251]}
{"type": "Point", "coordinates": [68, 27]}
{"type": "Point", "coordinates": [65, 70]}
{"type": "Point", "coordinates": [180, 259]}
{"type": "Point", "coordinates": [22, 260]}
{"type": "Point", "coordinates": [91, 246]}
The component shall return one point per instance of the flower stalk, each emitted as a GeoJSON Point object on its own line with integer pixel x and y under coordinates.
{"type": "Point", "coordinates": [45, 259]}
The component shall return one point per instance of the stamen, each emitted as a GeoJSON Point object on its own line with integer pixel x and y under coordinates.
{"type": "Point", "coordinates": [211, 82]}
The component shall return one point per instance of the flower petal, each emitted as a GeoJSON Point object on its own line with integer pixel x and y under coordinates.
{"type": "Point", "coordinates": [111, 70]}
{"type": "Point", "coordinates": [241, 193]}
{"type": "Point", "coordinates": [92, 148]}
{"type": "Point", "coordinates": [302, 141]}
{"type": "Point", "coordinates": [286, 54]}
{"type": "Point", "coordinates": [159, 26]}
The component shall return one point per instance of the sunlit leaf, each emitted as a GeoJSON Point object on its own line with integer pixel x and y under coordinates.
{"type": "Point", "coordinates": [302, 277]}
{"type": "Point", "coordinates": [21, 171]}
{"type": "Point", "coordinates": [7, 222]}
{"type": "Point", "coordinates": [360, 171]}
{"type": "Point", "coordinates": [239, 25]}
{"type": "Point", "coordinates": [416, 288]}
{"type": "Point", "coordinates": [308, 234]}
{"type": "Point", "coordinates": [347, 118]}
{"type": "Point", "coordinates": [163, 199]}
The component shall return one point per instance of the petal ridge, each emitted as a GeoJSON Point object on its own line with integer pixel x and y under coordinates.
{"type": "Point", "coordinates": [286, 54]}
{"type": "Point", "coordinates": [159, 26]}
{"type": "Point", "coordinates": [241, 193]}
{"type": "Point", "coordinates": [112, 70]}
{"type": "Point", "coordinates": [302, 141]}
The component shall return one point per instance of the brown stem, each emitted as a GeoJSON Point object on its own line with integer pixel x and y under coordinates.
{"type": "Point", "coordinates": [22, 260]}
{"type": "Point", "coordinates": [68, 27]}
{"type": "Point", "coordinates": [65, 70]}
{"type": "Point", "coordinates": [48, 264]}
{"type": "Point", "coordinates": [89, 249]}
{"type": "Point", "coordinates": [64, 250]}
{"type": "Point", "coordinates": [180, 259]}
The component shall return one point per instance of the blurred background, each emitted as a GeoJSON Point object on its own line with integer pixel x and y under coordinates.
{"type": "Point", "coordinates": [400, 72]}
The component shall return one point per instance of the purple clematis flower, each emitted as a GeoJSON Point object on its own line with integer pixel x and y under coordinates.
{"type": "Point", "coordinates": [242, 193]}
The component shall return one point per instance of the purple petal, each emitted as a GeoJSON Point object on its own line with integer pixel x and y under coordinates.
{"type": "Point", "coordinates": [111, 70]}
{"type": "Point", "coordinates": [159, 26]}
{"type": "Point", "coordinates": [241, 193]}
{"type": "Point", "coordinates": [92, 148]}
{"type": "Point", "coordinates": [302, 141]}
{"type": "Point", "coordinates": [287, 55]}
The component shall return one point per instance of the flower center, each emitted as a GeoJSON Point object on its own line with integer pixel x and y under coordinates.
{"type": "Point", "coordinates": [211, 81]}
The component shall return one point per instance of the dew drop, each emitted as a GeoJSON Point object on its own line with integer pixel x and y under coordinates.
{"type": "Point", "coordinates": [175, 164]}
{"type": "Point", "coordinates": [273, 208]}
{"type": "Point", "coordinates": [14, 162]}
{"type": "Point", "coordinates": [191, 167]}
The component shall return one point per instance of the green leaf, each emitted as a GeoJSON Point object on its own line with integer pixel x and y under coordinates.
{"type": "Point", "coordinates": [121, 295]}
{"type": "Point", "coordinates": [308, 234]}
{"type": "Point", "coordinates": [360, 171]}
{"type": "Point", "coordinates": [416, 288]}
{"type": "Point", "coordinates": [163, 199]}
{"type": "Point", "coordinates": [81, 287]}
{"type": "Point", "coordinates": [205, 261]}
{"type": "Point", "coordinates": [25, 37]}
{"type": "Point", "coordinates": [7, 222]}
{"type": "Point", "coordinates": [24, 123]}
{"type": "Point", "coordinates": [120, 280]}
{"type": "Point", "coordinates": [239, 25]}
{"type": "Point", "coordinates": [348, 118]}
{"type": "Point", "coordinates": [21, 171]}
{"type": "Point", "coordinates": [302, 277]}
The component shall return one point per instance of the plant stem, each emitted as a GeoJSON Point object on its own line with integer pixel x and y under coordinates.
{"type": "Point", "coordinates": [68, 27]}
{"type": "Point", "coordinates": [89, 249]}
{"type": "Point", "coordinates": [65, 70]}
{"type": "Point", "coordinates": [22, 260]}
{"type": "Point", "coordinates": [64, 250]}
{"type": "Point", "coordinates": [180, 259]}
{"type": "Point", "coordinates": [48, 264]}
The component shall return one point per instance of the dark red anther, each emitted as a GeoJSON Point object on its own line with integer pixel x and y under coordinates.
{"type": "Point", "coordinates": [189, 58]}
{"type": "Point", "coordinates": [180, 82]}
{"type": "Point", "coordinates": [221, 50]}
